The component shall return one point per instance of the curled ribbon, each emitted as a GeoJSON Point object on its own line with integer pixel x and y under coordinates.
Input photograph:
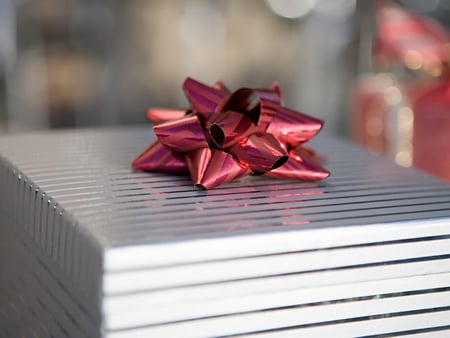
{"type": "Point", "coordinates": [225, 136]}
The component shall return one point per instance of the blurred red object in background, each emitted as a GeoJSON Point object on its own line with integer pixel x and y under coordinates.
{"type": "Point", "coordinates": [403, 111]}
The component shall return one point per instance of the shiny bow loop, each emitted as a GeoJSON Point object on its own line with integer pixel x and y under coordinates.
{"type": "Point", "coordinates": [224, 136]}
{"type": "Point", "coordinates": [260, 152]}
{"type": "Point", "coordinates": [238, 127]}
{"type": "Point", "coordinates": [209, 167]}
{"type": "Point", "coordinates": [237, 152]}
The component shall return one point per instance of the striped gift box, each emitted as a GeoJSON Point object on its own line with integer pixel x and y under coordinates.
{"type": "Point", "coordinates": [89, 248]}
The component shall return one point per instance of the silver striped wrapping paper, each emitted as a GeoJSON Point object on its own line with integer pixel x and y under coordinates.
{"type": "Point", "coordinates": [89, 248]}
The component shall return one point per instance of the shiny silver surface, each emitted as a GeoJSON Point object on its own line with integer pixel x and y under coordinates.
{"type": "Point", "coordinates": [91, 248]}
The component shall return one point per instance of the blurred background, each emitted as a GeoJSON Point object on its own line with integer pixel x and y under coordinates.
{"type": "Point", "coordinates": [76, 63]}
{"type": "Point", "coordinates": [98, 62]}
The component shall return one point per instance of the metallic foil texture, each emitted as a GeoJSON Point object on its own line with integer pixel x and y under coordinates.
{"type": "Point", "coordinates": [261, 153]}
{"type": "Point", "coordinates": [302, 165]}
{"type": "Point", "coordinates": [293, 127]}
{"type": "Point", "coordinates": [227, 128]}
{"type": "Point", "coordinates": [210, 167]}
{"type": "Point", "coordinates": [181, 135]}
{"type": "Point", "coordinates": [225, 136]}
{"type": "Point", "coordinates": [158, 157]}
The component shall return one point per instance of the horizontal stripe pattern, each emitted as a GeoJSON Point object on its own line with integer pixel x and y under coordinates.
{"type": "Point", "coordinates": [90, 247]}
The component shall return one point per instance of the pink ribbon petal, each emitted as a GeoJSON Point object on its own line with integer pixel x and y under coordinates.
{"type": "Point", "coordinates": [160, 115]}
{"type": "Point", "coordinates": [292, 127]}
{"type": "Point", "coordinates": [260, 153]}
{"type": "Point", "coordinates": [210, 168]}
{"type": "Point", "coordinates": [203, 98]}
{"type": "Point", "coordinates": [301, 166]}
{"type": "Point", "coordinates": [158, 157]}
{"type": "Point", "coordinates": [181, 135]}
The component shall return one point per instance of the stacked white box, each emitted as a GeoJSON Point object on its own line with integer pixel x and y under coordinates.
{"type": "Point", "coordinates": [90, 248]}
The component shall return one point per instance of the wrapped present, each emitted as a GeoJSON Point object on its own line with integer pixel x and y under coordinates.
{"type": "Point", "coordinates": [431, 129]}
{"type": "Point", "coordinates": [91, 248]}
{"type": "Point", "coordinates": [403, 110]}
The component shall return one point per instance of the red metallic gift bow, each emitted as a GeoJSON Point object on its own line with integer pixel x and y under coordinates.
{"type": "Point", "coordinates": [225, 136]}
